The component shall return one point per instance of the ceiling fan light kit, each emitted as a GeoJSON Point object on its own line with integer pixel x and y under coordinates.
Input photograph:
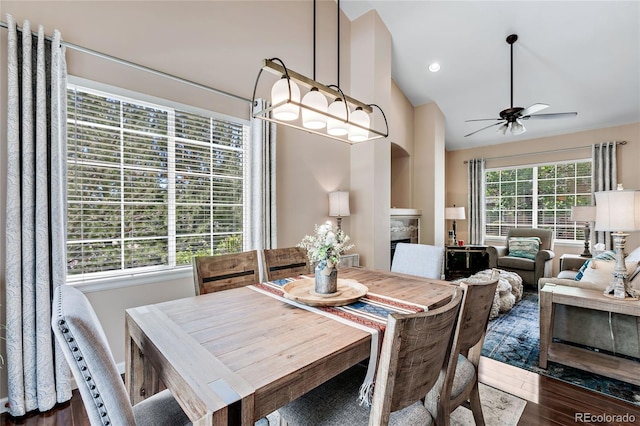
{"type": "Point", "coordinates": [511, 118]}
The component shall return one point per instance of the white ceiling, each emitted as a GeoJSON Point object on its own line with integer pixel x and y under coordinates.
{"type": "Point", "coordinates": [579, 56]}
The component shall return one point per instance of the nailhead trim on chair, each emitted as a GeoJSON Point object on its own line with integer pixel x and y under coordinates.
{"type": "Point", "coordinates": [84, 368]}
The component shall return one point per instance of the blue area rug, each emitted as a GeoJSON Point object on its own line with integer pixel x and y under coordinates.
{"type": "Point", "coordinates": [514, 338]}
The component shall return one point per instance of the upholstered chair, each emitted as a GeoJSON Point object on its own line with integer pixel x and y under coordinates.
{"type": "Point", "coordinates": [459, 382]}
{"type": "Point", "coordinates": [418, 259]}
{"type": "Point", "coordinates": [87, 352]}
{"type": "Point", "coordinates": [414, 350]}
{"type": "Point", "coordinates": [225, 271]}
{"type": "Point", "coordinates": [530, 266]}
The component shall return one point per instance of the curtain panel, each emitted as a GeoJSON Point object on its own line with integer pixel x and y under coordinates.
{"type": "Point", "coordinates": [261, 204]}
{"type": "Point", "coordinates": [37, 373]}
{"type": "Point", "coordinates": [604, 177]}
{"type": "Point", "coordinates": [476, 168]}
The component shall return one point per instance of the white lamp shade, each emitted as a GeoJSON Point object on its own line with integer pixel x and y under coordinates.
{"type": "Point", "coordinates": [280, 93]}
{"type": "Point", "coordinates": [503, 128]}
{"type": "Point", "coordinates": [618, 211]}
{"type": "Point", "coordinates": [455, 213]}
{"type": "Point", "coordinates": [357, 134]}
{"type": "Point", "coordinates": [312, 119]}
{"type": "Point", "coordinates": [339, 204]}
{"type": "Point", "coordinates": [583, 213]}
{"type": "Point", "coordinates": [337, 127]}
{"type": "Point", "coordinates": [517, 128]}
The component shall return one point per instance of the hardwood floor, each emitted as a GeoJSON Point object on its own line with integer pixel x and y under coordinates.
{"type": "Point", "coordinates": [550, 402]}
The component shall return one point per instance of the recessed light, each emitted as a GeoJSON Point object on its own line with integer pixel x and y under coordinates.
{"type": "Point", "coordinates": [434, 67]}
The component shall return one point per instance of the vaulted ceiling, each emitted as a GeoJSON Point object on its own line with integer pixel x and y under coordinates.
{"type": "Point", "coordinates": [581, 56]}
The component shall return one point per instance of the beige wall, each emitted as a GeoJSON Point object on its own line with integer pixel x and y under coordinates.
{"type": "Point", "coordinates": [402, 139]}
{"type": "Point", "coordinates": [535, 151]}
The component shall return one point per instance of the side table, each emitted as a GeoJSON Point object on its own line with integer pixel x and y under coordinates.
{"type": "Point", "coordinates": [608, 365]}
{"type": "Point", "coordinates": [463, 261]}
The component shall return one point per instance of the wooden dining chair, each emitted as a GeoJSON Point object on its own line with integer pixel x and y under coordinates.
{"type": "Point", "coordinates": [418, 259]}
{"type": "Point", "coordinates": [458, 384]}
{"type": "Point", "coordinates": [225, 271]}
{"type": "Point", "coordinates": [285, 262]}
{"type": "Point", "coordinates": [85, 347]}
{"type": "Point", "coordinates": [414, 349]}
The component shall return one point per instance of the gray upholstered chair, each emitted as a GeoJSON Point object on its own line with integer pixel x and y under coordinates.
{"type": "Point", "coordinates": [459, 382]}
{"type": "Point", "coordinates": [529, 269]}
{"type": "Point", "coordinates": [87, 352]}
{"type": "Point", "coordinates": [418, 259]}
{"type": "Point", "coordinates": [414, 349]}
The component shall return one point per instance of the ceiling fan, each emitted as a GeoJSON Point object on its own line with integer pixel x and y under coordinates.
{"type": "Point", "coordinates": [511, 118]}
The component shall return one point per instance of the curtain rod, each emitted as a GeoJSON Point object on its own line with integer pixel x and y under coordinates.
{"type": "Point", "coordinates": [138, 66]}
{"type": "Point", "coordinates": [543, 152]}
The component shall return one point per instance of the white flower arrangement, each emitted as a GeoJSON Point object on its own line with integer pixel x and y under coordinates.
{"type": "Point", "coordinates": [326, 246]}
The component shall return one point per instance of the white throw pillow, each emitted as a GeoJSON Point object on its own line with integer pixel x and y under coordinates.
{"type": "Point", "coordinates": [634, 256]}
{"type": "Point", "coordinates": [600, 271]}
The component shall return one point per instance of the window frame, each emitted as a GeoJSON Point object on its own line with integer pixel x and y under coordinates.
{"type": "Point", "coordinates": [535, 195]}
{"type": "Point", "coordinates": [98, 281]}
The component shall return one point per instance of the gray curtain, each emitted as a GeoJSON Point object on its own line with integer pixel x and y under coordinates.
{"type": "Point", "coordinates": [262, 188]}
{"type": "Point", "coordinates": [604, 177]}
{"type": "Point", "coordinates": [476, 204]}
{"type": "Point", "coordinates": [37, 373]}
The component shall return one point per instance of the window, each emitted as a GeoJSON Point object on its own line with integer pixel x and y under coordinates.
{"type": "Point", "coordinates": [149, 186]}
{"type": "Point", "coordinates": [538, 196]}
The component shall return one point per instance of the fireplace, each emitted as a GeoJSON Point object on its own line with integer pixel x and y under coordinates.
{"type": "Point", "coordinates": [405, 227]}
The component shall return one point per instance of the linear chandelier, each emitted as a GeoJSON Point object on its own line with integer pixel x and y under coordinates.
{"type": "Point", "coordinates": [323, 109]}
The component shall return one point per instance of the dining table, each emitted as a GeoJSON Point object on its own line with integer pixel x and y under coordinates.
{"type": "Point", "coordinates": [235, 356]}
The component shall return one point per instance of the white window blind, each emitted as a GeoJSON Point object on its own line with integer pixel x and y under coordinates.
{"type": "Point", "coordinates": [539, 196]}
{"type": "Point", "coordinates": [149, 186]}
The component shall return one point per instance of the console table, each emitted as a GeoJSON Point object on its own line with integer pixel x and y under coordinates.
{"type": "Point", "coordinates": [463, 261]}
{"type": "Point", "coordinates": [607, 365]}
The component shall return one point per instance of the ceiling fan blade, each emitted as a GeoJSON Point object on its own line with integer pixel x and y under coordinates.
{"type": "Point", "coordinates": [533, 109]}
{"type": "Point", "coordinates": [551, 115]}
{"type": "Point", "coordinates": [490, 125]}
{"type": "Point", "coordinates": [483, 119]}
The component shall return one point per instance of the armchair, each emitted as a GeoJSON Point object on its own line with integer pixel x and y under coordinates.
{"type": "Point", "coordinates": [529, 269]}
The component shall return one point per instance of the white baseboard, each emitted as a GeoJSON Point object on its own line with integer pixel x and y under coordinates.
{"type": "Point", "coordinates": [3, 401]}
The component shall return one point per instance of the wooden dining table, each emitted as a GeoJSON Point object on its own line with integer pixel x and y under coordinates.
{"type": "Point", "coordinates": [234, 356]}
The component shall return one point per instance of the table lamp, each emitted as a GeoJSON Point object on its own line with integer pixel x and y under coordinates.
{"type": "Point", "coordinates": [619, 213]}
{"type": "Point", "coordinates": [339, 206]}
{"type": "Point", "coordinates": [454, 213]}
{"type": "Point", "coordinates": [585, 214]}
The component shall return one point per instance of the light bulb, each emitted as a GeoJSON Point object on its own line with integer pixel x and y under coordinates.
{"type": "Point", "coordinates": [280, 93]}
{"type": "Point", "coordinates": [337, 127]}
{"type": "Point", "coordinates": [315, 100]}
{"type": "Point", "coordinates": [356, 134]}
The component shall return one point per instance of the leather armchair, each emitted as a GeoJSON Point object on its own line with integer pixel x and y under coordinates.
{"type": "Point", "coordinates": [529, 269]}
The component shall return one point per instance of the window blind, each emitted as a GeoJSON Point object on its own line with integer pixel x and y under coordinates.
{"type": "Point", "coordinates": [149, 186]}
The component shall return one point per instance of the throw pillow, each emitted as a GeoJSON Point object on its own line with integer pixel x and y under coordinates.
{"type": "Point", "coordinates": [600, 270]}
{"type": "Point", "coordinates": [605, 255]}
{"type": "Point", "coordinates": [634, 255]}
{"type": "Point", "coordinates": [526, 247]}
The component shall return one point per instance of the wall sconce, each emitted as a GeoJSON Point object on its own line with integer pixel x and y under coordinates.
{"type": "Point", "coordinates": [585, 214]}
{"type": "Point", "coordinates": [339, 206]}
{"type": "Point", "coordinates": [454, 213]}
{"type": "Point", "coordinates": [619, 213]}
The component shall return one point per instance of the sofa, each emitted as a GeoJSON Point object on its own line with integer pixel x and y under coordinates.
{"type": "Point", "coordinates": [531, 268]}
{"type": "Point", "coordinates": [611, 332]}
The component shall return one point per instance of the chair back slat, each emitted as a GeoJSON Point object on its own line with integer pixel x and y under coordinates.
{"type": "Point", "coordinates": [223, 272]}
{"type": "Point", "coordinates": [285, 262]}
{"type": "Point", "coordinates": [414, 350]}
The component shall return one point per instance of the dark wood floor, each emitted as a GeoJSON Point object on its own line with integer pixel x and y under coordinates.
{"type": "Point", "coordinates": [549, 402]}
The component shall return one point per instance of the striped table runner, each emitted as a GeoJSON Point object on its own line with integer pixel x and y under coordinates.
{"type": "Point", "coordinates": [369, 313]}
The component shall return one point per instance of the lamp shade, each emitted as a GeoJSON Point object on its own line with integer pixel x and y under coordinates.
{"type": "Point", "coordinates": [618, 211]}
{"type": "Point", "coordinates": [455, 213]}
{"type": "Point", "coordinates": [361, 118]}
{"type": "Point", "coordinates": [312, 119]}
{"type": "Point", "coordinates": [337, 127]}
{"type": "Point", "coordinates": [517, 128]}
{"type": "Point", "coordinates": [583, 213]}
{"type": "Point", "coordinates": [280, 93]}
{"type": "Point", "coordinates": [339, 204]}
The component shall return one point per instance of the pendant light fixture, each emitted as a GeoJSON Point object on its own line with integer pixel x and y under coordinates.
{"type": "Point", "coordinates": [345, 119]}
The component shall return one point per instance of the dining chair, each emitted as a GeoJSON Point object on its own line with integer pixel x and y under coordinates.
{"type": "Point", "coordinates": [285, 262]}
{"type": "Point", "coordinates": [85, 347]}
{"type": "Point", "coordinates": [414, 349]}
{"type": "Point", "coordinates": [225, 271]}
{"type": "Point", "coordinates": [458, 384]}
{"type": "Point", "coordinates": [418, 259]}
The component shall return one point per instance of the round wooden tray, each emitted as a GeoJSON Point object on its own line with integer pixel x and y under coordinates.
{"type": "Point", "coordinates": [303, 291]}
